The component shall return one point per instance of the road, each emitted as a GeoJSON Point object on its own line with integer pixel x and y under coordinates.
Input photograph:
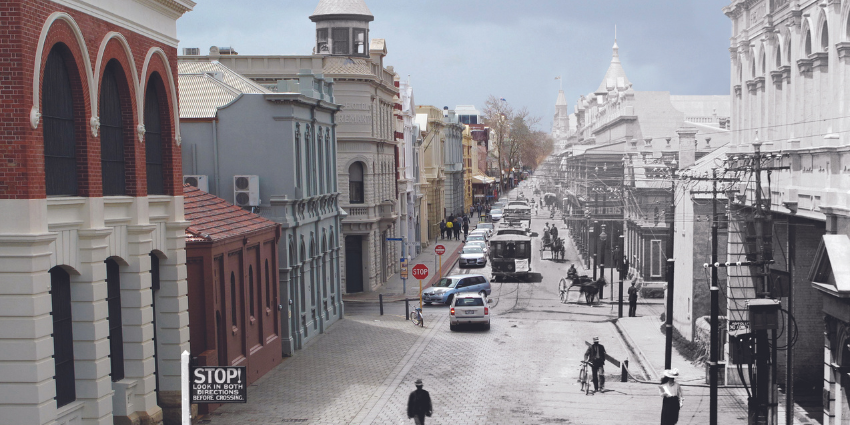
{"type": "Point", "coordinates": [522, 371]}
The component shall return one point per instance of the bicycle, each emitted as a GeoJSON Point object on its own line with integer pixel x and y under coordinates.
{"type": "Point", "coordinates": [583, 377]}
{"type": "Point", "coordinates": [416, 317]}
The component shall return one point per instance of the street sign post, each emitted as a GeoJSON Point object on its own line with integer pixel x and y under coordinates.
{"type": "Point", "coordinates": [440, 250]}
{"type": "Point", "coordinates": [403, 263]}
{"type": "Point", "coordinates": [420, 271]}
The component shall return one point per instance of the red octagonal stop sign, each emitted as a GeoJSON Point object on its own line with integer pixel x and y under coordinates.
{"type": "Point", "coordinates": [439, 250]}
{"type": "Point", "coordinates": [420, 271]}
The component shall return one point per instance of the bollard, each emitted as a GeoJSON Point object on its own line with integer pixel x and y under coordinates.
{"type": "Point", "coordinates": [406, 309]}
{"type": "Point", "coordinates": [624, 371]}
{"type": "Point", "coordinates": [381, 302]}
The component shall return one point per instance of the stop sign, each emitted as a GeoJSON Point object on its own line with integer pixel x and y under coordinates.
{"type": "Point", "coordinates": [440, 250]}
{"type": "Point", "coordinates": [420, 271]}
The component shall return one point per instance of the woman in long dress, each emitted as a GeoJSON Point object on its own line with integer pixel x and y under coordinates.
{"type": "Point", "coordinates": [671, 394]}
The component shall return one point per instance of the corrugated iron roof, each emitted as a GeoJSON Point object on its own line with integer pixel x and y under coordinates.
{"type": "Point", "coordinates": [206, 86]}
{"type": "Point", "coordinates": [201, 95]}
{"type": "Point", "coordinates": [215, 219]}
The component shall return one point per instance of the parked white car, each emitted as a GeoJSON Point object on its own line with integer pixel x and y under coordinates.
{"type": "Point", "coordinates": [486, 226]}
{"type": "Point", "coordinates": [469, 308]}
{"type": "Point", "coordinates": [472, 256]}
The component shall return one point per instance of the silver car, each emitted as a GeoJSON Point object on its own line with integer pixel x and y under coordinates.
{"type": "Point", "coordinates": [495, 215]}
{"type": "Point", "coordinates": [444, 291]}
{"type": "Point", "coordinates": [472, 256]}
{"type": "Point", "coordinates": [486, 226]}
{"type": "Point", "coordinates": [480, 244]}
{"type": "Point", "coordinates": [469, 309]}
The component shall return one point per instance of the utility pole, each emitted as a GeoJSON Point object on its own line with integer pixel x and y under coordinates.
{"type": "Point", "coordinates": [715, 307]}
{"type": "Point", "coordinates": [670, 220]}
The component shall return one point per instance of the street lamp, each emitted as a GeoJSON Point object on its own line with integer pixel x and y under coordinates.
{"type": "Point", "coordinates": [602, 237]}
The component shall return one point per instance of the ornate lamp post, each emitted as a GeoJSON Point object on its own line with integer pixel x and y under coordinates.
{"type": "Point", "coordinates": [602, 237]}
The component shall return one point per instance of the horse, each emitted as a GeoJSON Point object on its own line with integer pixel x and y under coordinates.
{"type": "Point", "coordinates": [558, 248]}
{"type": "Point", "coordinates": [588, 287]}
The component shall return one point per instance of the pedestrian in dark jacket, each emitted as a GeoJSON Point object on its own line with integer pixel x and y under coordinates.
{"type": "Point", "coordinates": [419, 404]}
{"type": "Point", "coordinates": [457, 228]}
{"type": "Point", "coordinates": [595, 355]}
{"type": "Point", "coordinates": [443, 229]}
{"type": "Point", "coordinates": [633, 296]}
{"type": "Point", "coordinates": [465, 230]}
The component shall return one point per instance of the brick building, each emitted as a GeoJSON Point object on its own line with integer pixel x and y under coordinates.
{"type": "Point", "coordinates": [92, 253]}
{"type": "Point", "coordinates": [232, 275]}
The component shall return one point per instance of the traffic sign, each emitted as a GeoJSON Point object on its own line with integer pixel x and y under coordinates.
{"type": "Point", "coordinates": [440, 250]}
{"type": "Point", "coordinates": [420, 271]}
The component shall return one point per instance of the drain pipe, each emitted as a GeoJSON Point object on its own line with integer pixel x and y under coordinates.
{"type": "Point", "coordinates": [215, 159]}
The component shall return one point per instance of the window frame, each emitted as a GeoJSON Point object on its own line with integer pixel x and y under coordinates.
{"type": "Point", "coordinates": [339, 43]}
{"type": "Point", "coordinates": [113, 140]}
{"type": "Point", "coordinates": [656, 258]}
{"type": "Point", "coordinates": [63, 338]}
{"type": "Point", "coordinates": [116, 329]}
{"type": "Point", "coordinates": [356, 188]}
{"type": "Point", "coordinates": [59, 125]}
{"type": "Point", "coordinates": [154, 166]}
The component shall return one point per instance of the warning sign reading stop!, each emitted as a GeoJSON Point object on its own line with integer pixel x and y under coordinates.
{"type": "Point", "coordinates": [439, 250]}
{"type": "Point", "coordinates": [419, 271]}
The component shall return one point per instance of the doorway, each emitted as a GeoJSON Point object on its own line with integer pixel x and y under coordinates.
{"type": "Point", "coordinates": [353, 264]}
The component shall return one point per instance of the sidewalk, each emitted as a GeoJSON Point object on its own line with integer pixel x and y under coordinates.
{"type": "Point", "coordinates": [392, 290]}
{"type": "Point", "coordinates": [643, 337]}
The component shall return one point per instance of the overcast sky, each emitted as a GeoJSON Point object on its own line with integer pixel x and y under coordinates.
{"type": "Point", "coordinates": [459, 52]}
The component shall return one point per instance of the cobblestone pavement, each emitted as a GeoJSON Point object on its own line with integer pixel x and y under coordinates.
{"type": "Point", "coordinates": [522, 371]}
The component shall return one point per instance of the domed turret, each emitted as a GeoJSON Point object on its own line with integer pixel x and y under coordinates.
{"type": "Point", "coordinates": [342, 27]}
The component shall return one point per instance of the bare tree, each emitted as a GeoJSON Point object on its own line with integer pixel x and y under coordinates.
{"type": "Point", "coordinates": [515, 140]}
{"type": "Point", "coordinates": [498, 115]}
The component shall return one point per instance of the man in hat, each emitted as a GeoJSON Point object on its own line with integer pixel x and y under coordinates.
{"type": "Point", "coordinates": [419, 404]}
{"type": "Point", "coordinates": [595, 355]}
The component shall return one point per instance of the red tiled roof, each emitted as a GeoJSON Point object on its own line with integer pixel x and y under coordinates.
{"type": "Point", "coordinates": [215, 219]}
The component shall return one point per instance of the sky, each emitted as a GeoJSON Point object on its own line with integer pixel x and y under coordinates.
{"type": "Point", "coordinates": [460, 52]}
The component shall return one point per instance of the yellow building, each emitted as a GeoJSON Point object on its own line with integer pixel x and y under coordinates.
{"type": "Point", "coordinates": [431, 125]}
{"type": "Point", "coordinates": [468, 145]}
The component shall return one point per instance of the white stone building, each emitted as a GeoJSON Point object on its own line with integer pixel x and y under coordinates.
{"type": "Point", "coordinates": [367, 143]}
{"type": "Point", "coordinates": [409, 184]}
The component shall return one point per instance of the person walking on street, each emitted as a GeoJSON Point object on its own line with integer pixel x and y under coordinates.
{"type": "Point", "coordinates": [419, 404]}
{"type": "Point", "coordinates": [465, 230]}
{"type": "Point", "coordinates": [449, 230]}
{"type": "Point", "coordinates": [672, 400]}
{"type": "Point", "coordinates": [595, 355]}
{"type": "Point", "coordinates": [443, 229]}
{"type": "Point", "coordinates": [633, 296]}
{"type": "Point", "coordinates": [456, 228]}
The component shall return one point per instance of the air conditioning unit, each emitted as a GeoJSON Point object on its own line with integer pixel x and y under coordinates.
{"type": "Point", "coordinates": [201, 182]}
{"type": "Point", "coordinates": [246, 191]}
{"type": "Point", "coordinates": [191, 51]}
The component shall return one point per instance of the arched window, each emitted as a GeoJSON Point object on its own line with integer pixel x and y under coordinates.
{"type": "Point", "coordinates": [60, 147]}
{"type": "Point", "coordinates": [330, 167]}
{"type": "Point", "coordinates": [251, 290]}
{"type": "Point", "coordinates": [824, 38]}
{"type": "Point", "coordinates": [778, 56]}
{"type": "Point", "coordinates": [233, 300]}
{"type": "Point", "coordinates": [355, 183]}
{"type": "Point", "coordinates": [112, 133]}
{"type": "Point", "coordinates": [153, 139]}
{"type": "Point", "coordinates": [788, 52]}
{"type": "Point", "coordinates": [808, 47]}
{"type": "Point", "coordinates": [321, 160]}
{"type": "Point", "coordinates": [116, 333]}
{"type": "Point", "coordinates": [63, 338]}
{"type": "Point", "coordinates": [763, 63]}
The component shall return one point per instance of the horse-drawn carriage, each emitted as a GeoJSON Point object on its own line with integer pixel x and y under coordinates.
{"type": "Point", "coordinates": [551, 242]}
{"type": "Point", "coordinates": [587, 287]}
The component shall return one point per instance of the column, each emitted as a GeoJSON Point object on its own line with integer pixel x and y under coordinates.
{"type": "Point", "coordinates": [26, 367]}
{"type": "Point", "coordinates": [172, 317]}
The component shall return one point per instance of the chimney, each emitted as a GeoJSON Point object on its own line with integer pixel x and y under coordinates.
{"type": "Point", "coordinates": [687, 146]}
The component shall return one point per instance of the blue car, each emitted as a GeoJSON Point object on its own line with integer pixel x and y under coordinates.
{"type": "Point", "coordinates": [445, 290]}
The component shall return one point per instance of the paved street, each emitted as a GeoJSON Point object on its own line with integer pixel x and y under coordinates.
{"type": "Point", "coordinates": [522, 371]}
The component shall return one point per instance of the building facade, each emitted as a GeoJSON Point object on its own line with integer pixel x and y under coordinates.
{"type": "Point", "coordinates": [410, 193]}
{"type": "Point", "coordinates": [274, 153]}
{"type": "Point", "coordinates": [431, 126]}
{"type": "Point", "coordinates": [790, 80]}
{"type": "Point", "coordinates": [367, 148]}
{"type": "Point", "coordinates": [232, 275]}
{"type": "Point", "coordinates": [453, 165]}
{"type": "Point", "coordinates": [92, 237]}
